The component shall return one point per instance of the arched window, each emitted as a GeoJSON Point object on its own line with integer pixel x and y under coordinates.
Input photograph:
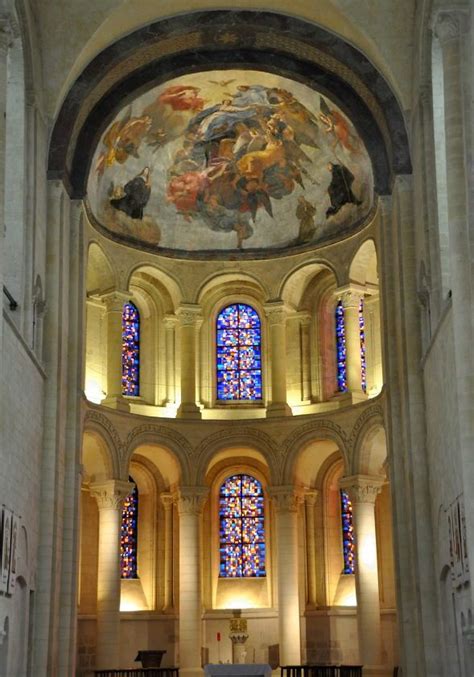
{"type": "Point", "coordinates": [130, 350]}
{"type": "Point", "coordinates": [129, 535]}
{"type": "Point", "coordinates": [348, 544]}
{"type": "Point", "coordinates": [241, 528]}
{"type": "Point", "coordinates": [239, 354]}
{"type": "Point", "coordinates": [341, 348]}
{"type": "Point", "coordinates": [363, 363]}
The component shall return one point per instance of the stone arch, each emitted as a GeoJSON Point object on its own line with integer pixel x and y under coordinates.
{"type": "Point", "coordinates": [223, 284]}
{"type": "Point", "coordinates": [296, 282]}
{"type": "Point", "coordinates": [100, 276]}
{"type": "Point", "coordinates": [169, 285]}
{"type": "Point", "coordinates": [368, 443]}
{"type": "Point", "coordinates": [108, 442]}
{"type": "Point", "coordinates": [311, 432]}
{"type": "Point", "coordinates": [242, 437]}
{"type": "Point", "coordinates": [149, 434]}
{"type": "Point", "coordinates": [363, 268]}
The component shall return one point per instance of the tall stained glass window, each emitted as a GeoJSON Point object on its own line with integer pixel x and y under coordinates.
{"type": "Point", "coordinates": [128, 535]}
{"type": "Point", "coordinates": [239, 353]}
{"type": "Point", "coordinates": [130, 350]}
{"type": "Point", "coordinates": [363, 364]}
{"type": "Point", "coordinates": [341, 349]}
{"type": "Point", "coordinates": [348, 544]}
{"type": "Point", "coordinates": [241, 528]}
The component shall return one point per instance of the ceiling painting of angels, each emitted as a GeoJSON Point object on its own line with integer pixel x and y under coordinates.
{"type": "Point", "coordinates": [230, 160]}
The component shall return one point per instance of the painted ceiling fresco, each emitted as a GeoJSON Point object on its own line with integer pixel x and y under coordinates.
{"type": "Point", "coordinates": [230, 160]}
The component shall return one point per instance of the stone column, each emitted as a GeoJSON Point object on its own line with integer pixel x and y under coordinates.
{"type": "Point", "coordinates": [309, 502]}
{"type": "Point", "coordinates": [190, 504]}
{"type": "Point", "coordinates": [167, 500]}
{"type": "Point", "coordinates": [189, 316]}
{"type": "Point", "coordinates": [350, 297]}
{"type": "Point", "coordinates": [170, 322]}
{"type": "Point", "coordinates": [114, 303]}
{"type": "Point", "coordinates": [363, 491]}
{"type": "Point", "coordinates": [6, 37]}
{"type": "Point", "coordinates": [305, 327]}
{"type": "Point", "coordinates": [110, 496]}
{"type": "Point", "coordinates": [276, 317]}
{"type": "Point", "coordinates": [286, 505]}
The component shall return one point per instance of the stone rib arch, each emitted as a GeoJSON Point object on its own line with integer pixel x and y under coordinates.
{"type": "Point", "coordinates": [166, 280]}
{"type": "Point", "coordinates": [318, 431]}
{"type": "Point", "coordinates": [369, 424]}
{"type": "Point", "coordinates": [244, 437]}
{"type": "Point", "coordinates": [96, 423]}
{"type": "Point", "coordinates": [300, 277]}
{"type": "Point", "coordinates": [225, 283]}
{"type": "Point", "coordinates": [158, 435]}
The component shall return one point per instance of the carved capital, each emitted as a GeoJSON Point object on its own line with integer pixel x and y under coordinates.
{"type": "Point", "coordinates": [111, 493]}
{"type": "Point", "coordinates": [275, 313]}
{"type": "Point", "coordinates": [167, 499]}
{"type": "Point", "coordinates": [7, 33]}
{"type": "Point", "coordinates": [191, 500]}
{"type": "Point", "coordinates": [449, 24]}
{"type": "Point", "coordinates": [310, 497]}
{"type": "Point", "coordinates": [362, 488]}
{"type": "Point", "coordinates": [468, 633]}
{"type": "Point", "coordinates": [188, 315]}
{"type": "Point", "coordinates": [114, 301]}
{"type": "Point", "coordinates": [170, 321]}
{"type": "Point", "coordinates": [285, 498]}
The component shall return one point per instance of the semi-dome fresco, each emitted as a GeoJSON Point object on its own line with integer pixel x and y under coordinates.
{"type": "Point", "coordinates": [230, 160]}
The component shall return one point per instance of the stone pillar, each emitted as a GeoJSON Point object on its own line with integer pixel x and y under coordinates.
{"type": "Point", "coordinates": [6, 37]}
{"type": "Point", "coordinates": [309, 502]}
{"type": "Point", "coordinates": [167, 500]}
{"type": "Point", "coordinates": [276, 317]}
{"type": "Point", "coordinates": [350, 297]}
{"type": "Point", "coordinates": [363, 491]}
{"type": "Point", "coordinates": [110, 496]}
{"type": "Point", "coordinates": [190, 504]}
{"type": "Point", "coordinates": [114, 303]}
{"type": "Point", "coordinates": [286, 504]}
{"type": "Point", "coordinates": [170, 322]}
{"type": "Point", "coordinates": [189, 316]}
{"type": "Point", "coordinates": [305, 328]}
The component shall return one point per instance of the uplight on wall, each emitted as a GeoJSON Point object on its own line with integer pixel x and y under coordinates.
{"type": "Point", "coordinates": [93, 391]}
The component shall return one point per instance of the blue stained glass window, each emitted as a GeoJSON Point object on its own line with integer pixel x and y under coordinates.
{"type": "Point", "coordinates": [129, 535]}
{"type": "Point", "coordinates": [239, 353]}
{"type": "Point", "coordinates": [241, 528]}
{"type": "Point", "coordinates": [341, 349]}
{"type": "Point", "coordinates": [363, 364]}
{"type": "Point", "coordinates": [348, 543]}
{"type": "Point", "coordinates": [130, 350]}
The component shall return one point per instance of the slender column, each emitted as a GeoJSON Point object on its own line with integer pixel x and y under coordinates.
{"type": "Point", "coordinates": [286, 505]}
{"type": "Point", "coordinates": [363, 491]}
{"type": "Point", "coordinates": [309, 502]}
{"type": "Point", "coordinates": [276, 317]}
{"type": "Point", "coordinates": [350, 297]}
{"type": "Point", "coordinates": [114, 303]}
{"type": "Point", "coordinates": [167, 500]}
{"type": "Point", "coordinates": [170, 329]}
{"type": "Point", "coordinates": [189, 316]}
{"type": "Point", "coordinates": [110, 496]}
{"type": "Point", "coordinates": [305, 325]}
{"type": "Point", "coordinates": [190, 504]}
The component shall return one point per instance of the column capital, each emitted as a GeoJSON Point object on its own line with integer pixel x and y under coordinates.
{"type": "Point", "coordinates": [167, 499]}
{"type": "Point", "coordinates": [115, 300]}
{"type": "Point", "coordinates": [170, 321]}
{"type": "Point", "coordinates": [350, 294]}
{"type": "Point", "coordinates": [449, 24]}
{"type": "Point", "coordinates": [7, 33]}
{"type": "Point", "coordinates": [188, 314]}
{"type": "Point", "coordinates": [275, 312]}
{"type": "Point", "coordinates": [110, 494]}
{"type": "Point", "coordinates": [191, 500]}
{"type": "Point", "coordinates": [285, 497]}
{"type": "Point", "coordinates": [310, 497]}
{"type": "Point", "coordinates": [362, 488]}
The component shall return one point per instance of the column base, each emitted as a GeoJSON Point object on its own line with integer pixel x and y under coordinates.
{"type": "Point", "coordinates": [116, 402]}
{"type": "Point", "coordinates": [276, 409]}
{"type": "Point", "coordinates": [188, 410]}
{"type": "Point", "coordinates": [377, 671]}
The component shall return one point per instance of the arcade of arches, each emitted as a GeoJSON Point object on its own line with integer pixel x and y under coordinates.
{"type": "Point", "coordinates": [237, 374]}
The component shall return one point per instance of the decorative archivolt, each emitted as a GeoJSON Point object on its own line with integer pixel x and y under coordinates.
{"type": "Point", "coordinates": [243, 437]}
{"type": "Point", "coordinates": [371, 420]}
{"type": "Point", "coordinates": [96, 422]}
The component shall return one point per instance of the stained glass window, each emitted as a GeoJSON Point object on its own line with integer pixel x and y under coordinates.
{"type": "Point", "coordinates": [130, 350]}
{"type": "Point", "coordinates": [363, 364]}
{"type": "Point", "coordinates": [239, 354]}
{"type": "Point", "coordinates": [128, 535]}
{"type": "Point", "coordinates": [341, 349]}
{"type": "Point", "coordinates": [241, 528]}
{"type": "Point", "coordinates": [348, 544]}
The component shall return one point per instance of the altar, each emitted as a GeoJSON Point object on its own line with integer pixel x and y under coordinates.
{"type": "Point", "coordinates": [237, 670]}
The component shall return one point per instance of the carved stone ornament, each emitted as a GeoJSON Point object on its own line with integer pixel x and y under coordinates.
{"type": "Point", "coordinates": [350, 297]}
{"type": "Point", "coordinates": [310, 497]}
{"type": "Point", "coordinates": [170, 321]}
{"type": "Point", "coordinates": [449, 24]}
{"type": "Point", "coordinates": [167, 499]}
{"type": "Point", "coordinates": [191, 500]}
{"type": "Point", "coordinates": [285, 498]}
{"type": "Point", "coordinates": [114, 301]}
{"type": "Point", "coordinates": [188, 315]}
{"type": "Point", "coordinates": [362, 488]}
{"type": "Point", "coordinates": [275, 313]}
{"type": "Point", "coordinates": [7, 33]}
{"type": "Point", "coordinates": [111, 493]}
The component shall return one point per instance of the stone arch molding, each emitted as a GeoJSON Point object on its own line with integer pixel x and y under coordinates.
{"type": "Point", "coordinates": [243, 437]}
{"type": "Point", "coordinates": [311, 432]}
{"type": "Point", "coordinates": [163, 436]}
{"type": "Point", "coordinates": [97, 422]}
{"type": "Point", "coordinates": [368, 422]}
